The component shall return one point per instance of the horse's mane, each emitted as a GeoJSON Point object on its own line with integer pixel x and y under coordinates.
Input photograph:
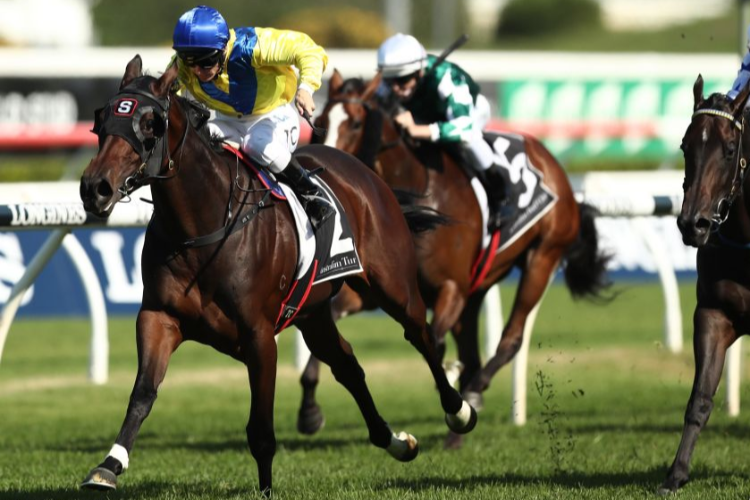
{"type": "Point", "coordinates": [717, 100]}
{"type": "Point", "coordinates": [720, 101]}
{"type": "Point", "coordinates": [352, 85]}
{"type": "Point", "coordinates": [428, 153]}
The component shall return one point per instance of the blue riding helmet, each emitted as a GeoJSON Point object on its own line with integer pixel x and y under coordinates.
{"type": "Point", "coordinates": [200, 28]}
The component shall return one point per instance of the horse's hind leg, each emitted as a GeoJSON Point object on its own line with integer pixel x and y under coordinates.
{"type": "Point", "coordinates": [325, 342]}
{"type": "Point", "coordinates": [448, 306]}
{"type": "Point", "coordinates": [157, 338]}
{"type": "Point", "coordinates": [466, 335]}
{"type": "Point", "coordinates": [310, 417]}
{"type": "Point", "coordinates": [399, 297]}
{"type": "Point", "coordinates": [713, 335]}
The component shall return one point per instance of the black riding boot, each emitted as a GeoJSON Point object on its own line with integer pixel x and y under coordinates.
{"type": "Point", "coordinates": [316, 205]}
{"type": "Point", "coordinates": [496, 196]}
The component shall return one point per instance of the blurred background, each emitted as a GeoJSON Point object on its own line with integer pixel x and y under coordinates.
{"type": "Point", "coordinates": [606, 84]}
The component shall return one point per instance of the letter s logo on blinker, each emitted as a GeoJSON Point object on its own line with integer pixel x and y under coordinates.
{"type": "Point", "coordinates": [125, 107]}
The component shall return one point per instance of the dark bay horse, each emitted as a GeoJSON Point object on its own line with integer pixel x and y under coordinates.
{"type": "Point", "coordinates": [227, 291]}
{"type": "Point", "coordinates": [715, 218]}
{"type": "Point", "coordinates": [566, 234]}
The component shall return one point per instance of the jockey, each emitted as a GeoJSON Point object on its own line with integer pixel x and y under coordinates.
{"type": "Point", "coordinates": [246, 76]}
{"type": "Point", "coordinates": [743, 75]}
{"type": "Point", "coordinates": [443, 105]}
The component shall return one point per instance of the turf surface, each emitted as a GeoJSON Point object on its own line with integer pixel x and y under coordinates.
{"type": "Point", "coordinates": [606, 403]}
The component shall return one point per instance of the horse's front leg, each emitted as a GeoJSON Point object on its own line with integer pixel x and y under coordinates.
{"type": "Point", "coordinates": [310, 417]}
{"type": "Point", "coordinates": [260, 354]}
{"type": "Point", "coordinates": [157, 337]}
{"type": "Point", "coordinates": [712, 337]}
{"type": "Point", "coordinates": [535, 279]}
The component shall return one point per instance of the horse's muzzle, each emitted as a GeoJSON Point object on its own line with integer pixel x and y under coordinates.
{"type": "Point", "coordinates": [695, 229]}
{"type": "Point", "coordinates": [96, 195]}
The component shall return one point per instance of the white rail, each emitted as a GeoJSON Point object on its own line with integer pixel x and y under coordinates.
{"type": "Point", "coordinates": [62, 217]}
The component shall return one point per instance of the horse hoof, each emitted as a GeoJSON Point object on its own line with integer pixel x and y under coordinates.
{"type": "Point", "coordinates": [670, 487]}
{"type": "Point", "coordinates": [665, 490]}
{"type": "Point", "coordinates": [310, 420]}
{"type": "Point", "coordinates": [100, 479]}
{"type": "Point", "coordinates": [453, 441]}
{"type": "Point", "coordinates": [475, 399]}
{"type": "Point", "coordinates": [404, 447]}
{"type": "Point", "coordinates": [453, 371]}
{"type": "Point", "coordinates": [464, 421]}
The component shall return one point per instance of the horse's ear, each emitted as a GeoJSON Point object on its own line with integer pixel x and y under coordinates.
{"type": "Point", "coordinates": [741, 100]}
{"type": "Point", "coordinates": [335, 83]}
{"type": "Point", "coordinates": [133, 70]}
{"type": "Point", "coordinates": [697, 91]}
{"type": "Point", "coordinates": [165, 82]}
{"type": "Point", "coordinates": [372, 87]}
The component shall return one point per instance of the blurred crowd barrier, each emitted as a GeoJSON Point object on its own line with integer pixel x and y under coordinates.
{"type": "Point", "coordinates": [114, 252]}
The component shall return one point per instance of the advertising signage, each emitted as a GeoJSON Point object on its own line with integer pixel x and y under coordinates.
{"type": "Point", "coordinates": [115, 256]}
{"type": "Point", "coordinates": [621, 118]}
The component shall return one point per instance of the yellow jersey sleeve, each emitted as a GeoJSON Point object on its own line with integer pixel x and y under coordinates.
{"type": "Point", "coordinates": [285, 47]}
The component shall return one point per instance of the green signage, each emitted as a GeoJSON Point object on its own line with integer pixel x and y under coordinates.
{"type": "Point", "coordinates": [603, 118]}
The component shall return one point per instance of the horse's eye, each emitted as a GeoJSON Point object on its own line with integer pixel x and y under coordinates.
{"type": "Point", "coordinates": [730, 150]}
{"type": "Point", "coordinates": [147, 127]}
{"type": "Point", "coordinates": [357, 124]}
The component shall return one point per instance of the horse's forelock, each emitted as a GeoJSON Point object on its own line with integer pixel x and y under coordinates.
{"type": "Point", "coordinates": [356, 85]}
{"type": "Point", "coordinates": [716, 100]}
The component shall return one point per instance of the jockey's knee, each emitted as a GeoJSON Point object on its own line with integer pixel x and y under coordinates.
{"type": "Point", "coordinates": [272, 155]}
{"type": "Point", "coordinates": [280, 162]}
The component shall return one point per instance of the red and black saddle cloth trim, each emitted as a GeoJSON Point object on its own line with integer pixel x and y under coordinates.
{"type": "Point", "coordinates": [261, 174]}
{"type": "Point", "coordinates": [296, 297]}
{"type": "Point", "coordinates": [483, 264]}
{"type": "Point", "coordinates": [335, 256]}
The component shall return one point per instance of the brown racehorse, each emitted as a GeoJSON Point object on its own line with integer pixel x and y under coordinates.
{"type": "Point", "coordinates": [715, 218]}
{"type": "Point", "coordinates": [357, 124]}
{"type": "Point", "coordinates": [218, 258]}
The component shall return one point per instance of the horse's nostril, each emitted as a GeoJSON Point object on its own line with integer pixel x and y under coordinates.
{"type": "Point", "coordinates": [702, 224]}
{"type": "Point", "coordinates": [103, 190]}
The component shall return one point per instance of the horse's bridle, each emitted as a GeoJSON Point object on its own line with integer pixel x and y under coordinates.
{"type": "Point", "coordinates": [373, 121]}
{"type": "Point", "coordinates": [152, 155]}
{"type": "Point", "coordinates": [739, 170]}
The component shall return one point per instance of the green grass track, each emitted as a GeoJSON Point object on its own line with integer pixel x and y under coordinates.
{"type": "Point", "coordinates": [606, 403]}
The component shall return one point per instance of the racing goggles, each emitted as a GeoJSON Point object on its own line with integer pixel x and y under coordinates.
{"type": "Point", "coordinates": [401, 80]}
{"type": "Point", "coordinates": [203, 59]}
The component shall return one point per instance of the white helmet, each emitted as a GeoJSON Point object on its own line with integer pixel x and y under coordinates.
{"type": "Point", "coordinates": [401, 55]}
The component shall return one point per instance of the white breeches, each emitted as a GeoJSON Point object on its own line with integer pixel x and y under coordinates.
{"type": "Point", "coordinates": [482, 151]}
{"type": "Point", "coordinates": [269, 139]}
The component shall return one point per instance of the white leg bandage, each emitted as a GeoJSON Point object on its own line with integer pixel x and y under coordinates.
{"type": "Point", "coordinates": [121, 454]}
{"type": "Point", "coordinates": [461, 418]}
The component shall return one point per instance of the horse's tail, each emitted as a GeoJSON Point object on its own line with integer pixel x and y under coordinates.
{"type": "Point", "coordinates": [419, 218]}
{"type": "Point", "coordinates": [585, 265]}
